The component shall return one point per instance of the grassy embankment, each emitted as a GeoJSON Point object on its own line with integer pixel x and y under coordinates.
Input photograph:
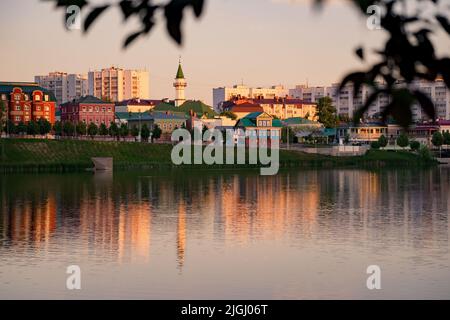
{"type": "Point", "coordinates": [29, 155]}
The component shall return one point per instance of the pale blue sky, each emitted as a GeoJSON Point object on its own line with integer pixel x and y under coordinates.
{"type": "Point", "coordinates": [263, 42]}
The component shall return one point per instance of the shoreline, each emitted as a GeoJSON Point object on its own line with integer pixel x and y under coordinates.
{"type": "Point", "coordinates": [61, 156]}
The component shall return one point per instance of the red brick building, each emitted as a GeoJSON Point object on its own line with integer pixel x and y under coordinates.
{"type": "Point", "coordinates": [26, 101]}
{"type": "Point", "coordinates": [88, 109]}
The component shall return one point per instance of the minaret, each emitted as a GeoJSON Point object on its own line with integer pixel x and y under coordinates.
{"type": "Point", "coordinates": [179, 84]}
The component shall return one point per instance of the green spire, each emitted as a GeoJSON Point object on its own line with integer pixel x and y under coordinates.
{"type": "Point", "coordinates": [180, 74]}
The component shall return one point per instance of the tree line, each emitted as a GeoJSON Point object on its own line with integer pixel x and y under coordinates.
{"type": "Point", "coordinates": [70, 129]}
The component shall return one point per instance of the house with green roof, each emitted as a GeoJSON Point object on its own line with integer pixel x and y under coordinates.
{"type": "Point", "coordinates": [260, 126]}
{"type": "Point", "coordinates": [190, 108]}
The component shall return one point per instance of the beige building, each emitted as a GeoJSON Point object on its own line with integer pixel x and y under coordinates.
{"type": "Point", "coordinates": [241, 91]}
{"type": "Point", "coordinates": [117, 84]}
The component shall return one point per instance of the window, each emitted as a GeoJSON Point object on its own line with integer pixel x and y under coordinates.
{"type": "Point", "coordinates": [3, 96]}
{"type": "Point", "coordinates": [26, 97]}
{"type": "Point", "coordinates": [37, 97]}
{"type": "Point", "coordinates": [26, 108]}
{"type": "Point", "coordinates": [38, 108]}
{"type": "Point", "coordinates": [17, 97]}
{"type": "Point", "coordinates": [46, 97]}
{"type": "Point", "coordinates": [18, 108]}
{"type": "Point", "coordinates": [17, 118]}
{"type": "Point", "coordinates": [46, 108]}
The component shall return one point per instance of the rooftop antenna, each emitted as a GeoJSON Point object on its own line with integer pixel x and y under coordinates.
{"type": "Point", "coordinates": [307, 84]}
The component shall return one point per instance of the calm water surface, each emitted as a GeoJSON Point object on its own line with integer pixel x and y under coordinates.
{"type": "Point", "coordinates": [228, 235]}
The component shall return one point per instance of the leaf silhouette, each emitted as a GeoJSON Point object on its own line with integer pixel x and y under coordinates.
{"type": "Point", "coordinates": [93, 15]}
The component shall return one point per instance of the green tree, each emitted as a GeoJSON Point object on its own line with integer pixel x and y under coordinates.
{"type": "Point", "coordinates": [68, 128]}
{"type": "Point", "coordinates": [81, 128]}
{"type": "Point", "coordinates": [124, 131]}
{"type": "Point", "coordinates": [145, 132]}
{"type": "Point", "coordinates": [446, 136]}
{"type": "Point", "coordinates": [21, 128]}
{"type": "Point", "coordinates": [425, 153]}
{"type": "Point", "coordinates": [135, 132]}
{"type": "Point", "coordinates": [403, 140]}
{"type": "Point", "coordinates": [382, 141]}
{"type": "Point", "coordinates": [10, 128]}
{"type": "Point", "coordinates": [156, 133]}
{"type": "Point", "coordinates": [58, 128]}
{"type": "Point", "coordinates": [32, 128]}
{"type": "Point", "coordinates": [326, 112]}
{"type": "Point", "coordinates": [113, 130]}
{"type": "Point", "coordinates": [103, 130]}
{"type": "Point", "coordinates": [92, 130]}
{"type": "Point", "coordinates": [284, 134]}
{"type": "Point", "coordinates": [437, 140]}
{"type": "Point", "coordinates": [44, 126]}
{"type": "Point", "coordinates": [414, 145]}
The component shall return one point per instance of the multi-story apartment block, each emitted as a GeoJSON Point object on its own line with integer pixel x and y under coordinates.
{"type": "Point", "coordinates": [241, 91]}
{"type": "Point", "coordinates": [116, 84]}
{"type": "Point", "coordinates": [346, 103]}
{"type": "Point", "coordinates": [65, 87]}
{"type": "Point", "coordinates": [281, 108]}
{"type": "Point", "coordinates": [26, 101]}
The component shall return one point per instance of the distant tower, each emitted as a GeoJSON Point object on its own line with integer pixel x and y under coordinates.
{"type": "Point", "coordinates": [179, 84]}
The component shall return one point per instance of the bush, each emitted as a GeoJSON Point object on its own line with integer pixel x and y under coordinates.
{"type": "Point", "coordinates": [415, 145]}
{"type": "Point", "coordinates": [375, 145]}
{"type": "Point", "coordinates": [425, 153]}
{"type": "Point", "coordinates": [403, 140]}
{"type": "Point", "coordinates": [382, 141]}
{"type": "Point", "coordinates": [437, 139]}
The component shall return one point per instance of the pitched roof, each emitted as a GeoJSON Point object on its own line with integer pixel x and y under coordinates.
{"type": "Point", "coordinates": [90, 99]}
{"type": "Point", "coordinates": [246, 107]}
{"type": "Point", "coordinates": [87, 99]}
{"type": "Point", "coordinates": [180, 74]}
{"type": "Point", "coordinates": [197, 107]}
{"type": "Point", "coordinates": [27, 87]}
{"type": "Point", "coordinates": [254, 115]}
{"type": "Point", "coordinates": [138, 102]}
{"type": "Point", "coordinates": [164, 106]}
{"type": "Point", "coordinates": [146, 116]}
{"type": "Point", "coordinates": [300, 121]}
{"type": "Point", "coordinates": [283, 101]}
{"type": "Point", "coordinates": [250, 120]}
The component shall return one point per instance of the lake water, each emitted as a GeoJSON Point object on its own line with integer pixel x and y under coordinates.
{"type": "Point", "coordinates": [228, 235]}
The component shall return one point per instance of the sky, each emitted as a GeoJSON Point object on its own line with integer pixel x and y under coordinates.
{"type": "Point", "coordinates": [255, 42]}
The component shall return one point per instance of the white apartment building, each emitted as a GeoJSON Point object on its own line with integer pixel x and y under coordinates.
{"type": "Point", "coordinates": [66, 87]}
{"type": "Point", "coordinates": [222, 94]}
{"type": "Point", "coordinates": [347, 104]}
{"type": "Point", "coordinates": [117, 84]}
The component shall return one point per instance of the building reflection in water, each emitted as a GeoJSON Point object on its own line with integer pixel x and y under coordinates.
{"type": "Point", "coordinates": [118, 218]}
